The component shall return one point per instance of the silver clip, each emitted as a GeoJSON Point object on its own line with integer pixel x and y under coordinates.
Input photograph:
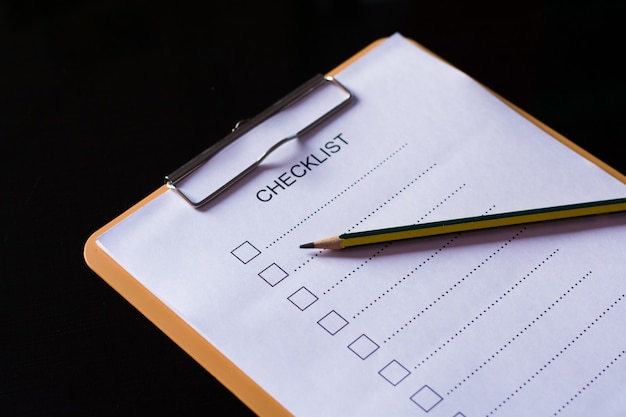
{"type": "Point", "coordinates": [241, 128]}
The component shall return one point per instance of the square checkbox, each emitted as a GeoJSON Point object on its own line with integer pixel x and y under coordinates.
{"type": "Point", "coordinates": [332, 322]}
{"type": "Point", "coordinates": [273, 274]}
{"type": "Point", "coordinates": [303, 298]}
{"type": "Point", "coordinates": [363, 346]}
{"type": "Point", "coordinates": [394, 372]}
{"type": "Point", "coordinates": [245, 252]}
{"type": "Point", "coordinates": [426, 398]}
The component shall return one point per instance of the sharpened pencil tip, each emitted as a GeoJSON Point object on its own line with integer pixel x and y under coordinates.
{"type": "Point", "coordinates": [307, 245]}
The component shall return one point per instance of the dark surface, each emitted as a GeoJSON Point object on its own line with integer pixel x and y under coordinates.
{"type": "Point", "coordinates": [99, 100]}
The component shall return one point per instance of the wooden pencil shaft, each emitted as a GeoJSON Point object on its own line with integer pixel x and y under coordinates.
{"type": "Point", "coordinates": [470, 223]}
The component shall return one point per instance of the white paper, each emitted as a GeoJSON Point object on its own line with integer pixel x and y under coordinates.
{"type": "Point", "coordinates": [524, 320]}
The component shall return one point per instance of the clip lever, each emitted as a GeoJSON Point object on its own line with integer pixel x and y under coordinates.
{"type": "Point", "coordinates": [298, 94]}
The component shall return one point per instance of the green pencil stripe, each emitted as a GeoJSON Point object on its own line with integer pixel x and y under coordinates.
{"type": "Point", "coordinates": [483, 222]}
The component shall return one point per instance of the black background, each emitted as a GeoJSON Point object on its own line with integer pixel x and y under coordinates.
{"type": "Point", "coordinates": [99, 100]}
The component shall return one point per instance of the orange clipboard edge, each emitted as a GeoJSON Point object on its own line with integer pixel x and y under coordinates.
{"type": "Point", "coordinates": [173, 325]}
{"type": "Point", "coordinates": [576, 148]}
{"type": "Point", "coordinates": [240, 384]}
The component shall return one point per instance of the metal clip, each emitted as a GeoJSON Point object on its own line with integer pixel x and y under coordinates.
{"type": "Point", "coordinates": [240, 129]}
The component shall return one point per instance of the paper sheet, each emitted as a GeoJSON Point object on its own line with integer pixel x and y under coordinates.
{"type": "Point", "coordinates": [524, 320]}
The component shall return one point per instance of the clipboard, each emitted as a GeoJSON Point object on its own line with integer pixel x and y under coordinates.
{"type": "Point", "coordinates": [175, 327]}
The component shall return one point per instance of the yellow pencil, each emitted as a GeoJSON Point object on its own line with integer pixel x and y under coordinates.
{"type": "Point", "coordinates": [469, 223]}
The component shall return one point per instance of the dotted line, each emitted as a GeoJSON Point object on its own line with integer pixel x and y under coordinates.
{"type": "Point", "coordinates": [400, 191]}
{"type": "Point", "coordinates": [489, 307]}
{"type": "Point", "coordinates": [357, 268]}
{"type": "Point", "coordinates": [563, 350]}
{"type": "Point", "coordinates": [390, 243]}
{"type": "Point", "coordinates": [318, 253]}
{"type": "Point", "coordinates": [394, 286]}
{"type": "Point", "coordinates": [323, 206]}
{"type": "Point", "coordinates": [591, 381]}
{"type": "Point", "coordinates": [521, 332]}
{"type": "Point", "coordinates": [429, 212]}
{"type": "Point", "coordinates": [449, 290]}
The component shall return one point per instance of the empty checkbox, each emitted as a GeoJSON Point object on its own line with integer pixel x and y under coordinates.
{"type": "Point", "coordinates": [363, 346]}
{"type": "Point", "coordinates": [332, 322]}
{"type": "Point", "coordinates": [302, 298]}
{"type": "Point", "coordinates": [273, 274]}
{"type": "Point", "coordinates": [394, 372]}
{"type": "Point", "coordinates": [245, 252]}
{"type": "Point", "coordinates": [426, 398]}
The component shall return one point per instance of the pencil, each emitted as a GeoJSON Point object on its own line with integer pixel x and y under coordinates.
{"type": "Point", "coordinates": [468, 224]}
